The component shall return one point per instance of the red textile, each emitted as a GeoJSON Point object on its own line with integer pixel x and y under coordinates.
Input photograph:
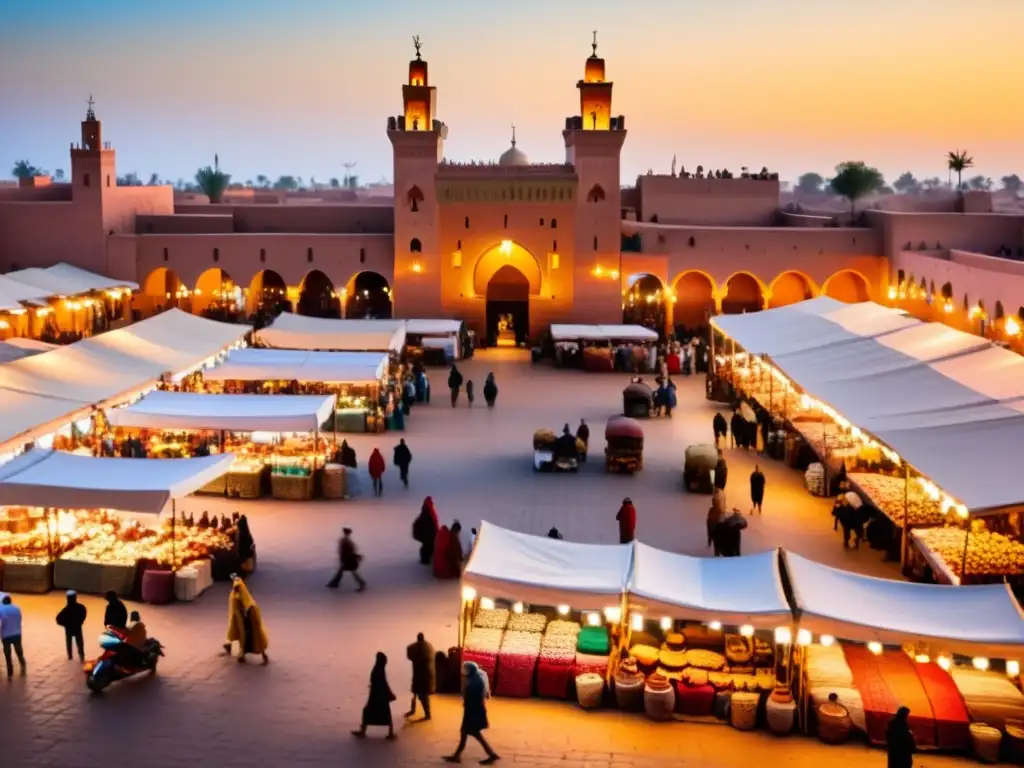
{"type": "Point", "coordinates": [697, 700]}
{"type": "Point", "coordinates": [627, 522]}
{"type": "Point", "coordinates": [428, 504]}
{"type": "Point", "coordinates": [673, 364]}
{"type": "Point", "coordinates": [440, 564]}
{"type": "Point", "coordinates": [952, 723]}
{"type": "Point", "coordinates": [488, 662]}
{"type": "Point", "coordinates": [586, 663]}
{"type": "Point", "coordinates": [885, 683]}
{"type": "Point", "coordinates": [553, 680]}
{"type": "Point", "coordinates": [376, 465]}
{"type": "Point", "coordinates": [516, 675]}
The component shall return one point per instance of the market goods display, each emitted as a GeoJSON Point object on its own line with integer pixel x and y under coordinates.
{"type": "Point", "coordinates": [482, 647]}
{"type": "Point", "coordinates": [850, 700]}
{"type": "Point", "coordinates": [764, 655]}
{"type": "Point", "coordinates": [948, 708]}
{"type": "Point", "coordinates": [585, 662]}
{"type": "Point", "coordinates": [589, 690]}
{"type": "Point", "coordinates": [593, 641]}
{"type": "Point", "coordinates": [739, 649]}
{"type": "Point", "coordinates": [743, 710]}
{"type": "Point", "coordinates": [827, 668]}
{"type": "Point", "coordinates": [986, 740]}
{"type": "Point", "coordinates": [834, 722]}
{"type": "Point", "coordinates": [521, 644]}
{"type": "Point", "coordinates": [814, 480]}
{"type": "Point", "coordinates": [527, 622]}
{"type": "Point", "coordinates": [629, 686]}
{"type": "Point", "coordinates": [659, 698]}
{"type": "Point", "coordinates": [828, 436]}
{"type": "Point", "coordinates": [562, 627]}
{"type": "Point", "coordinates": [517, 661]}
{"type": "Point", "coordinates": [645, 655]}
{"type": "Point", "coordinates": [695, 700]}
{"type": "Point", "coordinates": [888, 494]}
{"type": "Point", "coordinates": [780, 711]}
{"type": "Point", "coordinates": [702, 659]}
{"type": "Point", "coordinates": [558, 645]}
{"type": "Point", "coordinates": [695, 677]}
{"type": "Point", "coordinates": [543, 439]}
{"type": "Point", "coordinates": [987, 553]}
{"type": "Point", "coordinates": [990, 698]}
{"type": "Point", "coordinates": [491, 618]}
{"type": "Point", "coordinates": [675, 641]}
{"type": "Point", "coordinates": [672, 659]}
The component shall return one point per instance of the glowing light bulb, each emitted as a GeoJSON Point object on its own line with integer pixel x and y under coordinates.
{"type": "Point", "coordinates": [1013, 668]}
{"type": "Point", "coordinates": [666, 623]}
{"type": "Point", "coordinates": [944, 662]}
{"type": "Point", "coordinates": [468, 594]}
{"type": "Point", "coordinates": [826, 640]}
{"type": "Point", "coordinates": [517, 608]}
{"type": "Point", "coordinates": [563, 610]}
{"type": "Point", "coordinates": [594, 619]}
{"type": "Point", "coordinates": [875, 647]}
{"type": "Point", "coordinates": [612, 614]}
{"type": "Point", "coordinates": [922, 658]}
{"type": "Point", "coordinates": [636, 621]}
{"type": "Point", "coordinates": [747, 630]}
{"type": "Point", "coordinates": [486, 603]}
{"type": "Point", "coordinates": [803, 637]}
{"type": "Point", "coordinates": [980, 662]}
{"type": "Point", "coordinates": [715, 626]}
{"type": "Point", "coordinates": [783, 635]}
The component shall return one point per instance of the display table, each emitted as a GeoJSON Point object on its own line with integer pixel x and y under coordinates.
{"type": "Point", "coordinates": [350, 420]}
{"type": "Point", "coordinates": [94, 578]}
{"type": "Point", "coordinates": [291, 487]}
{"type": "Point", "coordinates": [246, 481]}
{"type": "Point", "coordinates": [218, 487]}
{"type": "Point", "coordinates": [333, 482]}
{"type": "Point", "coordinates": [31, 578]}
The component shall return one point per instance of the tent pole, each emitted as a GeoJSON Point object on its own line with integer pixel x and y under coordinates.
{"type": "Point", "coordinates": [905, 538]}
{"type": "Point", "coordinates": [174, 528]}
{"type": "Point", "coordinates": [963, 561]}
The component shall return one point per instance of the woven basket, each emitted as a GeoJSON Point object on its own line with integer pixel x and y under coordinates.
{"type": "Point", "coordinates": [245, 485]}
{"type": "Point", "coordinates": [291, 487]}
{"type": "Point", "coordinates": [589, 690]}
{"type": "Point", "coordinates": [986, 740]}
{"type": "Point", "coordinates": [217, 487]}
{"type": "Point", "coordinates": [834, 723]}
{"type": "Point", "coordinates": [333, 482]}
{"type": "Point", "coordinates": [743, 710]}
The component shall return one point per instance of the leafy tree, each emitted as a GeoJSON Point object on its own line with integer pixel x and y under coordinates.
{"type": "Point", "coordinates": [906, 184]}
{"type": "Point", "coordinates": [334, 183]}
{"type": "Point", "coordinates": [1012, 183]}
{"type": "Point", "coordinates": [810, 183]}
{"type": "Point", "coordinates": [248, 183]}
{"type": "Point", "coordinates": [59, 174]}
{"type": "Point", "coordinates": [980, 182]}
{"type": "Point", "coordinates": [213, 181]}
{"type": "Point", "coordinates": [23, 169]}
{"type": "Point", "coordinates": [958, 162]}
{"type": "Point", "coordinates": [932, 184]}
{"type": "Point", "coordinates": [263, 181]}
{"type": "Point", "coordinates": [129, 180]}
{"type": "Point", "coordinates": [854, 180]}
{"type": "Point", "coordinates": [288, 183]}
{"type": "Point", "coordinates": [154, 180]}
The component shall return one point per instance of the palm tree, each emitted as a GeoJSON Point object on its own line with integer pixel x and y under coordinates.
{"type": "Point", "coordinates": [59, 174]}
{"type": "Point", "coordinates": [213, 181]}
{"type": "Point", "coordinates": [263, 181]}
{"type": "Point", "coordinates": [23, 169]}
{"type": "Point", "coordinates": [958, 162]}
{"type": "Point", "coordinates": [854, 180]}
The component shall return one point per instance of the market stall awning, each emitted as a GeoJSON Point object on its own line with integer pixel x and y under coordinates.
{"type": "Point", "coordinates": [535, 569]}
{"type": "Point", "coordinates": [974, 620]}
{"type": "Point", "coordinates": [562, 332]}
{"type": "Point", "coordinates": [11, 352]}
{"type": "Point", "coordinates": [66, 280]}
{"type": "Point", "coordinates": [23, 414]}
{"type": "Point", "coordinates": [433, 327]}
{"type": "Point", "coordinates": [68, 481]}
{"type": "Point", "coordinates": [290, 331]}
{"type": "Point", "coordinates": [993, 371]}
{"type": "Point", "coordinates": [231, 413]}
{"type": "Point", "coordinates": [731, 590]}
{"type": "Point", "coordinates": [258, 364]}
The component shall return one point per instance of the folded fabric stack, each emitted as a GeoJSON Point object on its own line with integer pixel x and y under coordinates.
{"type": "Point", "coordinates": [695, 700]}
{"type": "Point", "coordinates": [557, 654]}
{"type": "Point", "coordinates": [491, 618]}
{"type": "Point", "coordinates": [990, 698]}
{"type": "Point", "coordinates": [482, 646]}
{"type": "Point", "coordinates": [586, 662]}
{"type": "Point", "coordinates": [517, 661]}
{"type": "Point", "coordinates": [593, 641]}
{"type": "Point", "coordinates": [527, 622]}
{"type": "Point", "coordinates": [828, 672]}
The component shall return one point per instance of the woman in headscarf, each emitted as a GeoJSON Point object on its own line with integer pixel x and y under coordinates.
{"type": "Point", "coordinates": [475, 692]}
{"type": "Point", "coordinates": [245, 547]}
{"type": "Point", "coordinates": [424, 530]}
{"type": "Point", "coordinates": [490, 391]}
{"type": "Point", "coordinates": [439, 563]}
{"type": "Point", "coordinates": [627, 521]}
{"type": "Point", "coordinates": [455, 552]}
{"type": "Point", "coordinates": [899, 741]}
{"type": "Point", "coordinates": [454, 383]}
{"type": "Point", "coordinates": [378, 704]}
{"type": "Point", "coordinates": [245, 624]}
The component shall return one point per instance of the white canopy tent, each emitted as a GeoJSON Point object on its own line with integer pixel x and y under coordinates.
{"type": "Point", "coordinates": [231, 413]}
{"type": "Point", "coordinates": [562, 332]}
{"type": "Point", "coordinates": [536, 569]}
{"type": "Point", "coordinates": [433, 327]}
{"type": "Point", "coordinates": [259, 364]}
{"type": "Point", "coordinates": [290, 331]}
{"type": "Point", "coordinates": [993, 371]}
{"type": "Point", "coordinates": [68, 481]}
{"type": "Point", "coordinates": [732, 590]}
{"type": "Point", "coordinates": [67, 280]}
{"type": "Point", "coordinates": [974, 620]}
{"type": "Point", "coordinates": [24, 415]}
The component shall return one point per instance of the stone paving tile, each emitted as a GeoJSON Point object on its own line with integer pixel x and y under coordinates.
{"type": "Point", "coordinates": [204, 709]}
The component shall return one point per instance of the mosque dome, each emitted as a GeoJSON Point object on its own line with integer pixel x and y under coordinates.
{"type": "Point", "coordinates": [512, 155]}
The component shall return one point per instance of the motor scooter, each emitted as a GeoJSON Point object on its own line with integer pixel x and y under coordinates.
{"type": "Point", "coordinates": [120, 660]}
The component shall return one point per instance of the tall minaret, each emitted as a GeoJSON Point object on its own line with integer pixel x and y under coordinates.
{"type": "Point", "coordinates": [593, 144]}
{"type": "Point", "coordinates": [93, 165]}
{"type": "Point", "coordinates": [417, 138]}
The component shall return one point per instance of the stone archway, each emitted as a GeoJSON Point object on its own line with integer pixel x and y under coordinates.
{"type": "Point", "coordinates": [216, 296]}
{"type": "Point", "coordinates": [268, 294]}
{"type": "Point", "coordinates": [847, 285]}
{"type": "Point", "coordinates": [163, 289]}
{"type": "Point", "coordinates": [317, 297]}
{"type": "Point", "coordinates": [694, 301]}
{"type": "Point", "coordinates": [368, 295]}
{"type": "Point", "coordinates": [742, 294]}
{"type": "Point", "coordinates": [790, 288]}
{"type": "Point", "coordinates": [507, 253]}
{"type": "Point", "coordinates": [644, 302]}
{"type": "Point", "coordinates": [508, 307]}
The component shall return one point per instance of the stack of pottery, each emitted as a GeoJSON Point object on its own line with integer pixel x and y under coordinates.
{"type": "Point", "coordinates": [985, 739]}
{"type": "Point", "coordinates": [781, 712]}
{"type": "Point", "coordinates": [629, 686]}
{"type": "Point", "coordinates": [659, 698]}
{"type": "Point", "coordinates": [834, 722]}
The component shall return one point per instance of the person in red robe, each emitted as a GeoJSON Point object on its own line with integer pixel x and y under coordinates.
{"type": "Point", "coordinates": [627, 521]}
{"type": "Point", "coordinates": [376, 467]}
{"type": "Point", "coordinates": [440, 563]}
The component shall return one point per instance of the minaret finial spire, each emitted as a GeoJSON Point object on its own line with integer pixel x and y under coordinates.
{"type": "Point", "coordinates": [89, 114]}
{"type": "Point", "coordinates": [417, 44]}
{"type": "Point", "coordinates": [594, 44]}
{"type": "Point", "coordinates": [513, 134]}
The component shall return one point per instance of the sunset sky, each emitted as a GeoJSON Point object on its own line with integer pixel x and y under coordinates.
{"type": "Point", "coordinates": [301, 87]}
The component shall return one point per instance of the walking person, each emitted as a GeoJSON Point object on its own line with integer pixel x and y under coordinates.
{"type": "Point", "coordinates": [469, 392]}
{"type": "Point", "coordinates": [378, 704]}
{"type": "Point", "coordinates": [10, 634]}
{"type": "Point", "coordinates": [721, 472]}
{"type": "Point", "coordinates": [583, 435]}
{"type": "Point", "coordinates": [115, 615]}
{"type": "Point", "coordinates": [376, 467]}
{"type": "Point", "coordinates": [899, 741]}
{"type": "Point", "coordinates": [424, 677]}
{"type": "Point", "coordinates": [490, 391]}
{"type": "Point", "coordinates": [475, 692]}
{"type": "Point", "coordinates": [454, 383]}
{"type": "Point", "coordinates": [71, 617]}
{"type": "Point", "coordinates": [424, 530]}
{"type": "Point", "coordinates": [245, 623]}
{"type": "Point", "coordinates": [402, 459]}
{"type": "Point", "coordinates": [757, 482]}
{"type": "Point", "coordinates": [349, 560]}
{"type": "Point", "coordinates": [627, 521]}
{"type": "Point", "coordinates": [721, 428]}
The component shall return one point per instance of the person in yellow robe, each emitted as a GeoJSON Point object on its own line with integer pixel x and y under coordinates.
{"type": "Point", "coordinates": [245, 624]}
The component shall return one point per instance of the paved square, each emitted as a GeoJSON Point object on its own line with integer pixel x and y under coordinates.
{"type": "Point", "coordinates": [203, 709]}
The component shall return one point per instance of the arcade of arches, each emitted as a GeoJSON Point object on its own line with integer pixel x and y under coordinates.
{"type": "Point", "coordinates": [368, 295]}
{"type": "Point", "coordinates": [645, 302]}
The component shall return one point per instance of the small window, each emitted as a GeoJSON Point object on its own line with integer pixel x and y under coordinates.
{"type": "Point", "coordinates": [458, 245]}
{"type": "Point", "coordinates": [467, 222]}
{"type": "Point", "coordinates": [554, 223]}
{"type": "Point", "coordinates": [362, 255]}
{"type": "Point", "coordinates": [263, 255]}
{"type": "Point", "coordinates": [167, 255]}
{"type": "Point", "coordinates": [554, 245]}
{"type": "Point", "coordinates": [85, 179]}
{"type": "Point", "coordinates": [309, 254]}
{"type": "Point", "coordinates": [693, 242]}
{"type": "Point", "coordinates": [595, 242]}
{"type": "Point", "coordinates": [415, 246]}
{"type": "Point", "coordinates": [506, 221]}
{"type": "Point", "coordinates": [108, 179]}
{"type": "Point", "coordinates": [596, 194]}
{"type": "Point", "coordinates": [216, 254]}
{"type": "Point", "coordinates": [542, 222]}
